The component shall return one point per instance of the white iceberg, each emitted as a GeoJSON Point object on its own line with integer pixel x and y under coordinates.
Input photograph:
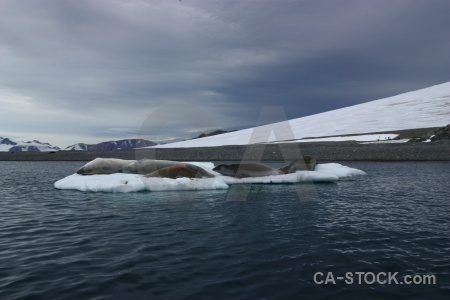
{"type": "Point", "coordinates": [124, 183]}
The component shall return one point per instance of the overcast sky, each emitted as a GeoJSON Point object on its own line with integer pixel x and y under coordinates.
{"type": "Point", "coordinates": [90, 71]}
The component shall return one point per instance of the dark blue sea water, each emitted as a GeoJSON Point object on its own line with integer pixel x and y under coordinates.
{"type": "Point", "coordinates": [60, 244]}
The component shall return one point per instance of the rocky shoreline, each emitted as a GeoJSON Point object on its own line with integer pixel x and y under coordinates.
{"type": "Point", "coordinates": [323, 151]}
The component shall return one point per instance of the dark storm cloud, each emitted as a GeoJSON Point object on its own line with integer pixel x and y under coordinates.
{"type": "Point", "coordinates": [387, 48]}
{"type": "Point", "coordinates": [109, 63]}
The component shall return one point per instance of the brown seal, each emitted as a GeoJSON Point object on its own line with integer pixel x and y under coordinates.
{"type": "Point", "coordinates": [246, 170]}
{"type": "Point", "coordinates": [306, 163]}
{"type": "Point", "coordinates": [175, 172]}
{"type": "Point", "coordinates": [147, 166]}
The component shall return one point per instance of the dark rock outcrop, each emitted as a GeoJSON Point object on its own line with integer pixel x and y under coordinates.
{"type": "Point", "coordinates": [215, 132]}
{"type": "Point", "coordinates": [440, 134]}
{"type": "Point", "coordinates": [22, 148]}
{"type": "Point", "coordinates": [6, 141]}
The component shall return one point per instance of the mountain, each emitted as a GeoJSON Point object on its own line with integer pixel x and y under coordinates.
{"type": "Point", "coordinates": [425, 108]}
{"type": "Point", "coordinates": [7, 145]}
{"type": "Point", "coordinates": [112, 145]}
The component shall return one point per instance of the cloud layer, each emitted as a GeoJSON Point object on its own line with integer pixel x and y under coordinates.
{"type": "Point", "coordinates": [86, 71]}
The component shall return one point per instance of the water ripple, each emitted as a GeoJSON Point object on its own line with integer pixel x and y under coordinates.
{"type": "Point", "coordinates": [197, 245]}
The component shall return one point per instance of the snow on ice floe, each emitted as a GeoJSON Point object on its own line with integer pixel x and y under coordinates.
{"type": "Point", "coordinates": [124, 183]}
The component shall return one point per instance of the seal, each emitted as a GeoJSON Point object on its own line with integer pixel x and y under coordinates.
{"type": "Point", "coordinates": [306, 163]}
{"type": "Point", "coordinates": [103, 166]}
{"type": "Point", "coordinates": [147, 166]}
{"type": "Point", "coordinates": [174, 172]}
{"type": "Point", "coordinates": [246, 170]}
{"type": "Point", "coordinates": [259, 170]}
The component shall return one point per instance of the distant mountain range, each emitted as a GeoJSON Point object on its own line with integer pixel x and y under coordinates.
{"type": "Point", "coordinates": [8, 145]}
{"type": "Point", "coordinates": [112, 145]}
{"type": "Point", "coordinates": [425, 108]}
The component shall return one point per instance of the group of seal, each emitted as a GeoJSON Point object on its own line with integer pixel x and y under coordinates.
{"type": "Point", "coordinates": [147, 167]}
{"type": "Point", "coordinates": [174, 169]}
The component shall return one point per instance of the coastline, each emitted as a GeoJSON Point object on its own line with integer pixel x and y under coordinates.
{"type": "Point", "coordinates": [322, 151]}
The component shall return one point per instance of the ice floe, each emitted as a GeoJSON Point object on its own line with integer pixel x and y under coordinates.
{"type": "Point", "coordinates": [124, 183]}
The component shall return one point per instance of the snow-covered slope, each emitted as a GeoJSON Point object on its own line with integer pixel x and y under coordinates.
{"type": "Point", "coordinates": [8, 145]}
{"type": "Point", "coordinates": [429, 107]}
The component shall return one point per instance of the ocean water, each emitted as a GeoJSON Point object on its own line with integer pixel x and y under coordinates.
{"type": "Point", "coordinates": [61, 244]}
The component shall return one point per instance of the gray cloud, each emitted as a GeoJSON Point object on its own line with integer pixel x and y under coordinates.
{"type": "Point", "coordinates": [97, 69]}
